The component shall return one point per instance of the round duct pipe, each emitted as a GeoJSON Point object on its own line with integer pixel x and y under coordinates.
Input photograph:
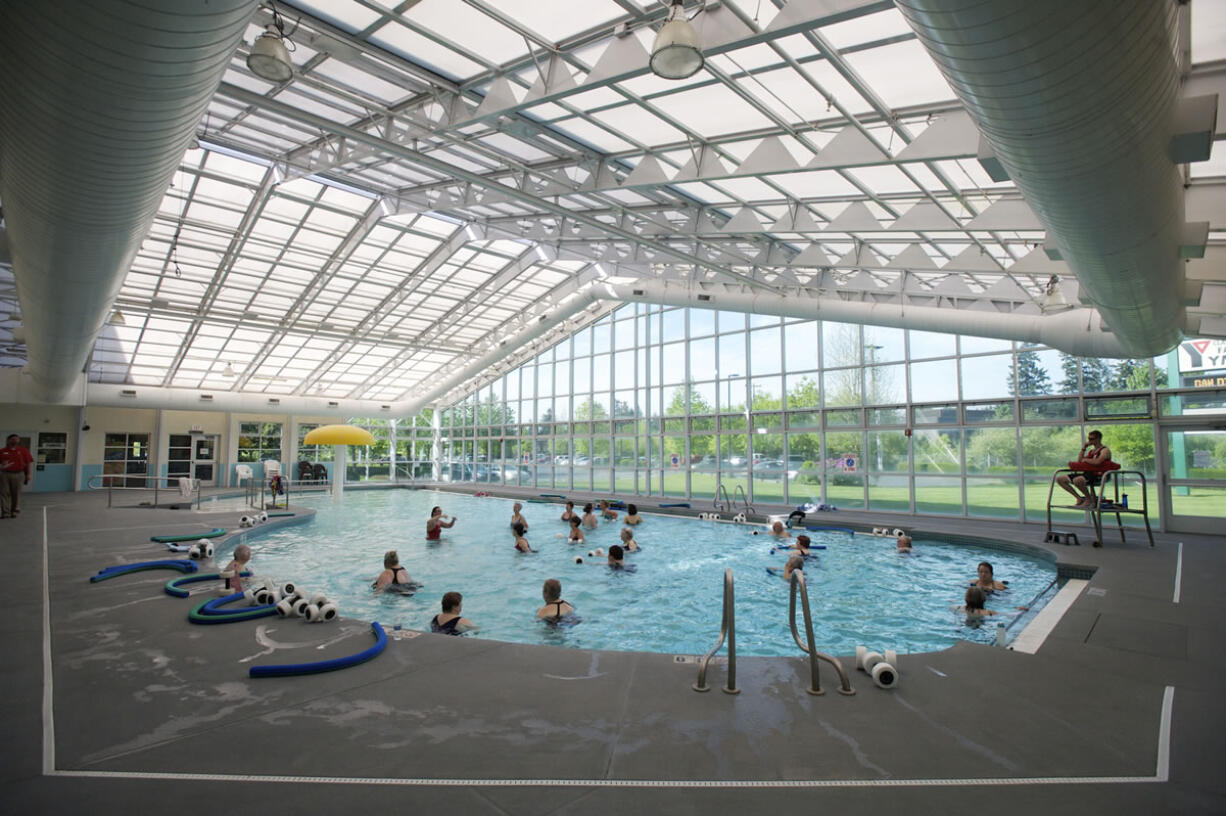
{"type": "Point", "coordinates": [1077, 99]}
{"type": "Point", "coordinates": [98, 103]}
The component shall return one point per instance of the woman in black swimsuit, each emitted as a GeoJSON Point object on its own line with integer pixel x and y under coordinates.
{"type": "Point", "coordinates": [449, 621]}
{"type": "Point", "coordinates": [393, 574]}
{"type": "Point", "coordinates": [555, 608]}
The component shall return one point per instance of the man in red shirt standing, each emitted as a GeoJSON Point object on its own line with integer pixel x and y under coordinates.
{"type": "Point", "coordinates": [15, 462]}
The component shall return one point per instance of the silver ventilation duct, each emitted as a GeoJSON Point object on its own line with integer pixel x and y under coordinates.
{"type": "Point", "coordinates": [1078, 99]}
{"type": "Point", "coordinates": [97, 104]}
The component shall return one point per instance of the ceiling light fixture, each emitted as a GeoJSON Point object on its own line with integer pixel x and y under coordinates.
{"type": "Point", "coordinates": [677, 52]}
{"type": "Point", "coordinates": [229, 371]}
{"type": "Point", "coordinates": [117, 319]}
{"type": "Point", "coordinates": [269, 56]}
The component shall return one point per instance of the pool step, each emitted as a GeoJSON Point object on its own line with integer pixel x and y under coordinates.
{"type": "Point", "coordinates": [1062, 537]}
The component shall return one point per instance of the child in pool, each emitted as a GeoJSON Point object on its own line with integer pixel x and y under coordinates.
{"type": "Point", "coordinates": [233, 573]}
{"type": "Point", "coordinates": [517, 516]}
{"type": "Point", "coordinates": [975, 599]}
{"type": "Point", "coordinates": [569, 512]}
{"type": "Point", "coordinates": [589, 518]}
{"type": "Point", "coordinates": [617, 557]}
{"type": "Point", "coordinates": [904, 543]}
{"type": "Point", "coordinates": [632, 515]}
{"type": "Point", "coordinates": [576, 532]}
{"type": "Point", "coordinates": [607, 513]}
{"type": "Point", "coordinates": [628, 542]}
{"type": "Point", "coordinates": [521, 543]}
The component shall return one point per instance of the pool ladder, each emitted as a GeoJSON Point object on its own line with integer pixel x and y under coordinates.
{"type": "Point", "coordinates": [815, 684]}
{"type": "Point", "coordinates": [727, 628]}
{"type": "Point", "coordinates": [728, 503]}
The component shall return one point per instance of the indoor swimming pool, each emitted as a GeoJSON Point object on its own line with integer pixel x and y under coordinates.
{"type": "Point", "coordinates": [862, 591]}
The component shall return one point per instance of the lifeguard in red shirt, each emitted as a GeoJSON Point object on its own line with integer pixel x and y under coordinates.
{"type": "Point", "coordinates": [15, 462]}
{"type": "Point", "coordinates": [1093, 461]}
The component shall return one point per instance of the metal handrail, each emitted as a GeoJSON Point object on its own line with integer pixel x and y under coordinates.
{"type": "Point", "coordinates": [815, 685]}
{"type": "Point", "coordinates": [740, 491]}
{"type": "Point", "coordinates": [727, 627]}
{"type": "Point", "coordinates": [720, 489]}
{"type": "Point", "coordinates": [110, 487]}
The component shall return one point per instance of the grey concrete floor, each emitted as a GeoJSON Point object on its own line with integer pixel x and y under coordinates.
{"type": "Point", "coordinates": [150, 710]}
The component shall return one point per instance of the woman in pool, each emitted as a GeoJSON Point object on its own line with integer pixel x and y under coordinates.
{"type": "Point", "coordinates": [435, 524]}
{"type": "Point", "coordinates": [517, 516]}
{"type": "Point", "coordinates": [555, 608]}
{"type": "Point", "coordinates": [632, 515]}
{"type": "Point", "coordinates": [589, 518]}
{"type": "Point", "coordinates": [576, 532]}
{"type": "Point", "coordinates": [521, 543]}
{"type": "Point", "coordinates": [802, 545]}
{"type": "Point", "coordinates": [393, 576]}
{"type": "Point", "coordinates": [628, 542]}
{"type": "Point", "coordinates": [795, 562]}
{"type": "Point", "coordinates": [569, 512]}
{"type": "Point", "coordinates": [987, 579]}
{"type": "Point", "coordinates": [449, 622]}
{"type": "Point", "coordinates": [975, 598]}
{"type": "Point", "coordinates": [607, 513]}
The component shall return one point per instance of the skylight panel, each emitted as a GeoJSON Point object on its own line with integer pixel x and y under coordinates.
{"type": "Point", "coordinates": [469, 28]}
{"type": "Point", "coordinates": [788, 94]}
{"type": "Point", "coordinates": [214, 215]}
{"type": "Point", "coordinates": [747, 189]}
{"type": "Point", "coordinates": [234, 167]}
{"type": "Point", "coordinates": [1208, 31]}
{"type": "Point", "coordinates": [883, 179]}
{"type": "Point", "coordinates": [901, 74]}
{"type": "Point", "coordinates": [345, 14]}
{"type": "Point", "coordinates": [520, 149]}
{"type": "Point", "coordinates": [639, 124]}
{"type": "Point", "coordinates": [868, 28]}
{"type": "Point", "coordinates": [714, 111]}
{"type": "Point", "coordinates": [558, 20]}
{"type": "Point", "coordinates": [361, 82]}
{"type": "Point", "coordinates": [425, 52]}
{"type": "Point", "coordinates": [317, 107]}
{"type": "Point", "coordinates": [593, 135]}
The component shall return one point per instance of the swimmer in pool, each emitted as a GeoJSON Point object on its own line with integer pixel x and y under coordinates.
{"type": "Point", "coordinates": [518, 517]}
{"type": "Point", "coordinates": [449, 622]}
{"type": "Point", "coordinates": [975, 598]}
{"type": "Point", "coordinates": [904, 543]}
{"type": "Point", "coordinates": [589, 518]}
{"type": "Point", "coordinates": [569, 512]}
{"type": "Point", "coordinates": [521, 543]}
{"type": "Point", "coordinates": [435, 524]}
{"type": "Point", "coordinates": [393, 574]}
{"type": "Point", "coordinates": [628, 542]}
{"type": "Point", "coordinates": [632, 515]}
{"type": "Point", "coordinates": [778, 531]}
{"type": "Point", "coordinates": [576, 532]}
{"type": "Point", "coordinates": [802, 544]}
{"type": "Point", "coordinates": [555, 608]}
{"type": "Point", "coordinates": [617, 557]}
{"type": "Point", "coordinates": [987, 579]}
{"type": "Point", "coordinates": [233, 571]}
{"type": "Point", "coordinates": [607, 513]}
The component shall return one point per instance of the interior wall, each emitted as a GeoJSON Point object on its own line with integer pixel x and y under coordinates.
{"type": "Point", "coordinates": [32, 420]}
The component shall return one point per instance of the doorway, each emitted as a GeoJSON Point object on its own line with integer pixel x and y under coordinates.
{"type": "Point", "coordinates": [193, 455]}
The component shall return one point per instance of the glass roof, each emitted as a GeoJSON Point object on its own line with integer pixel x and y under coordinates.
{"type": "Point", "coordinates": [395, 210]}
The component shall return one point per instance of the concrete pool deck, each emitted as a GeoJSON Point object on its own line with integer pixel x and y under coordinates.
{"type": "Point", "coordinates": [1120, 709]}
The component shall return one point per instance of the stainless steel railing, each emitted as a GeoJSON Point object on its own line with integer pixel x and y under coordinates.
{"type": "Point", "coordinates": [727, 628]}
{"type": "Point", "coordinates": [815, 684]}
{"type": "Point", "coordinates": [159, 485]}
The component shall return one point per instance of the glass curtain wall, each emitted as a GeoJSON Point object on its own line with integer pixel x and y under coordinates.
{"type": "Point", "coordinates": [688, 403]}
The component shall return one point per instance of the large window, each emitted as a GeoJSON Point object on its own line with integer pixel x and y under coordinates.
{"type": "Point", "coordinates": [259, 442]}
{"type": "Point", "coordinates": [692, 403]}
{"type": "Point", "coordinates": [125, 459]}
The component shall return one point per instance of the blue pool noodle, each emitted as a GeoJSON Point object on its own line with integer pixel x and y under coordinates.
{"type": "Point", "coordinates": [676, 504]}
{"type": "Point", "coordinates": [291, 669]}
{"type": "Point", "coordinates": [124, 569]}
{"type": "Point", "coordinates": [839, 529]}
{"type": "Point", "coordinates": [173, 586]}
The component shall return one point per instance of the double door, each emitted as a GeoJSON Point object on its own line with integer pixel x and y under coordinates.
{"type": "Point", "coordinates": [193, 455]}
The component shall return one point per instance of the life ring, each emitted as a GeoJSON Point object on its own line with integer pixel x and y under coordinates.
{"type": "Point", "coordinates": [319, 666]}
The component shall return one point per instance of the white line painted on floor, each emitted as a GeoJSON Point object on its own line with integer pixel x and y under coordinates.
{"type": "Point", "coordinates": [1178, 573]}
{"type": "Point", "coordinates": [1032, 637]}
{"type": "Point", "coordinates": [1161, 774]}
{"type": "Point", "coordinates": [48, 697]}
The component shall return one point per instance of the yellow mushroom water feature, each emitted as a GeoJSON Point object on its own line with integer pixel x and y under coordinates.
{"type": "Point", "coordinates": [339, 437]}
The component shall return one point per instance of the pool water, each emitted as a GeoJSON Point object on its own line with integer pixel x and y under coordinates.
{"type": "Point", "coordinates": [861, 590]}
